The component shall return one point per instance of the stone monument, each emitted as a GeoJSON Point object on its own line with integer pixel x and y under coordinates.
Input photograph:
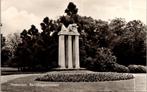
{"type": "Point", "coordinates": [69, 47]}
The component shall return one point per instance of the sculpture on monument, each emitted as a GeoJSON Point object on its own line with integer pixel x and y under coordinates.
{"type": "Point", "coordinates": [69, 47]}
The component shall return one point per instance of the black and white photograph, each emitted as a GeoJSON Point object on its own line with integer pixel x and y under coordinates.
{"type": "Point", "coordinates": [73, 45]}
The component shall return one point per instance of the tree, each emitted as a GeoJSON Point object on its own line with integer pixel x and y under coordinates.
{"type": "Point", "coordinates": [72, 16]}
{"type": "Point", "coordinates": [2, 41]}
{"type": "Point", "coordinates": [5, 55]}
{"type": "Point", "coordinates": [12, 41]}
{"type": "Point", "coordinates": [5, 51]}
{"type": "Point", "coordinates": [117, 26]}
{"type": "Point", "coordinates": [131, 48]}
{"type": "Point", "coordinates": [24, 54]}
{"type": "Point", "coordinates": [40, 49]}
{"type": "Point", "coordinates": [71, 9]}
{"type": "Point", "coordinates": [117, 29]}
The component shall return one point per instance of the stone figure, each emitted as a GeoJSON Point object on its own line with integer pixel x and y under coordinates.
{"type": "Point", "coordinates": [72, 28]}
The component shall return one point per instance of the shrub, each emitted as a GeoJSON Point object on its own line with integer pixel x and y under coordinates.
{"type": "Point", "coordinates": [89, 62]}
{"type": "Point", "coordinates": [120, 68]}
{"type": "Point", "coordinates": [137, 68]}
{"type": "Point", "coordinates": [102, 61]}
{"type": "Point", "coordinates": [84, 77]}
{"type": "Point", "coordinates": [104, 55]}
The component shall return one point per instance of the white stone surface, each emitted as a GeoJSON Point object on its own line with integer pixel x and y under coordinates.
{"type": "Point", "coordinates": [69, 47]}
{"type": "Point", "coordinates": [61, 52]}
{"type": "Point", "coordinates": [77, 63]}
{"type": "Point", "coordinates": [70, 64]}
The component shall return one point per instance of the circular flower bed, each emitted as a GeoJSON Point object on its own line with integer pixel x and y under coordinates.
{"type": "Point", "coordinates": [84, 77]}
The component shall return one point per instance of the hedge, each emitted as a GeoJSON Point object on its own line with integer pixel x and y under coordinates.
{"type": "Point", "coordinates": [84, 77]}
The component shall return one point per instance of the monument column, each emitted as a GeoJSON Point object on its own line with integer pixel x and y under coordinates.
{"type": "Point", "coordinates": [69, 52]}
{"type": "Point", "coordinates": [76, 43]}
{"type": "Point", "coordinates": [69, 47]}
{"type": "Point", "coordinates": [61, 52]}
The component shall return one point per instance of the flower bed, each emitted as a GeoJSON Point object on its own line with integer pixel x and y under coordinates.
{"type": "Point", "coordinates": [84, 77]}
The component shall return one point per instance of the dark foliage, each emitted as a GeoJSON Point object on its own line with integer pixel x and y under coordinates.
{"type": "Point", "coordinates": [5, 56]}
{"type": "Point", "coordinates": [102, 61]}
{"type": "Point", "coordinates": [5, 52]}
{"type": "Point", "coordinates": [3, 39]}
{"type": "Point", "coordinates": [119, 68]}
{"type": "Point", "coordinates": [126, 40]}
{"type": "Point", "coordinates": [38, 50]}
{"type": "Point", "coordinates": [137, 69]}
{"type": "Point", "coordinates": [131, 46]}
{"type": "Point", "coordinates": [71, 9]}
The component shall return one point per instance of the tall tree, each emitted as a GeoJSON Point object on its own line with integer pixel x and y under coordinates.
{"type": "Point", "coordinates": [131, 48]}
{"type": "Point", "coordinates": [3, 39]}
{"type": "Point", "coordinates": [71, 9]}
{"type": "Point", "coordinates": [5, 51]}
{"type": "Point", "coordinates": [40, 49]}
{"type": "Point", "coordinates": [12, 41]}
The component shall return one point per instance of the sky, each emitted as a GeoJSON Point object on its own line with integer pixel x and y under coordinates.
{"type": "Point", "coordinates": [17, 15]}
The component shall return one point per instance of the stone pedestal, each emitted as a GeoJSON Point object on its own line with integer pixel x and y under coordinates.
{"type": "Point", "coordinates": [69, 48]}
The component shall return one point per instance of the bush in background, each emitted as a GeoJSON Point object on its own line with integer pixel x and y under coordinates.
{"type": "Point", "coordinates": [102, 60]}
{"type": "Point", "coordinates": [120, 68]}
{"type": "Point", "coordinates": [137, 69]}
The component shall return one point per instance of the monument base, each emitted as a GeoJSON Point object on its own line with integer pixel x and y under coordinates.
{"type": "Point", "coordinates": [68, 69]}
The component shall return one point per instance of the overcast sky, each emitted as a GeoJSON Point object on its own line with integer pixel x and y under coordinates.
{"type": "Point", "coordinates": [17, 15]}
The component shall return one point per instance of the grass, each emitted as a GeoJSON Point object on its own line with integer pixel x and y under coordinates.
{"type": "Point", "coordinates": [105, 86]}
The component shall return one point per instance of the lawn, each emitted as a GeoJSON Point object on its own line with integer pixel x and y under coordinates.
{"type": "Point", "coordinates": [13, 71]}
{"type": "Point", "coordinates": [27, 84]}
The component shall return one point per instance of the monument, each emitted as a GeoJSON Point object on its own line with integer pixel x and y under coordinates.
{"type": "Point", "coordinates": [68, 57]}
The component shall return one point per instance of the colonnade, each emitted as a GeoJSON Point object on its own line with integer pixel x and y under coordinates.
{"type": "Point", "coordinates": [68, 49]}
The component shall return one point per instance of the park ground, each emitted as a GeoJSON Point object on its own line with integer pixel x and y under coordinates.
{"type": "Point", "coordinates": [27, 83]}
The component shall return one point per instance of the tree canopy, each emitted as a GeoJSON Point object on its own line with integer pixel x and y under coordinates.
{"type": "Point", "coordinates": [125, 41]}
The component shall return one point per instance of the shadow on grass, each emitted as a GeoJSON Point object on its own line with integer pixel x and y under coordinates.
{"type": "Point", "coordinates": [12, 71]}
